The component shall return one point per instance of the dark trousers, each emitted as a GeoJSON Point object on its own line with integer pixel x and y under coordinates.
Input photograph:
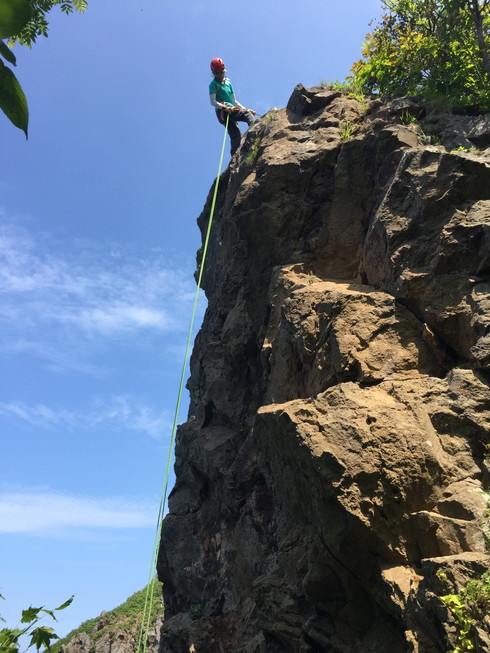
{"type": "Point", "coordinates": [233, 128]}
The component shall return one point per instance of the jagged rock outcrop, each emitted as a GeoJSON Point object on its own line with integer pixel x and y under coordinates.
{"type": "Point", "coordinates": [335, 457]}
{"type": "Point", "coordinates": [113, 636]}
{"type": "Point", "coordinates": [131, 627]}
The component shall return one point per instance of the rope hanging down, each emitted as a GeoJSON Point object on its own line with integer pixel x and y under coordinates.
{"type": "Point", "coordinates": [150, 588]}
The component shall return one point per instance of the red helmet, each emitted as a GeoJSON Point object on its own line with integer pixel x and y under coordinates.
{"type": "Point", "coordinates": [217, 65]}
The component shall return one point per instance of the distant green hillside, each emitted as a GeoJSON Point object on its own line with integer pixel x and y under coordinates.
{"type": "Point", "coordinates": [126, 617]}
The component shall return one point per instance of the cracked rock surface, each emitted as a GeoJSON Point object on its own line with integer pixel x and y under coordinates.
{"type": "Point", "coordinates": [335, 457]}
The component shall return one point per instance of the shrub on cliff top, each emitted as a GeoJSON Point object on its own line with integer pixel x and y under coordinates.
{"type": "Point", "coordinates": [433, 48]}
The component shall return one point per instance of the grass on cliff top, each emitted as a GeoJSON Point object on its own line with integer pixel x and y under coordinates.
{"type": "Point", "coordinates": [126, 616]}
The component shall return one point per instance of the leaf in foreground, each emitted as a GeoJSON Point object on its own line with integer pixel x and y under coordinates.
{"type": "Point", "coordinates": [7, 53]}
{"type": "Point", "coordinates": [41, 637]}
{"type": "Point", "coordinates": [14, 14]}
{"type": "Point", "coordinates": [30, 614]}
{"type": "Point", "coordinates": [12, 99]}
{"type": "Point", "coordinates": [66, 603]}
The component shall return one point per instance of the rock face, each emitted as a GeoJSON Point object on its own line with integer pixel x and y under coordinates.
{"type": "Point", "coordinates": [335, 457]}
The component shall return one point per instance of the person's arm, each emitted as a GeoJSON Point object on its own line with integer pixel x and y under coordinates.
{"type": "Point", "coordinates": [236, 103]}
{"type": "Point", "coordinates": [216, 104]}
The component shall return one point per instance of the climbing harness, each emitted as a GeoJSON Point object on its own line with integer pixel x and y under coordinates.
{"type": "Point", "coordinates": [254, 113]}
{"type": "Point", "coordinates": [150, 588]}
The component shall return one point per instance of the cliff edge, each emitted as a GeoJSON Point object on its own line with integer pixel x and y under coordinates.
{"type": "Point", "coordinates": [331, 476]}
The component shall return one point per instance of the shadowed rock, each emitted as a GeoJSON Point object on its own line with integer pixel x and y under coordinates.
{"type": "Point", "coordinates": [334, 459]}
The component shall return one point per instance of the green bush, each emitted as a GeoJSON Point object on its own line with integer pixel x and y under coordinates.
{"type": "Point", "coordinates": [433, 48]}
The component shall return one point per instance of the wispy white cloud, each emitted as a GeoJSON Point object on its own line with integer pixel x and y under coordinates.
{"type": "Point", "coordinates": [119, 412]}
{"type": "Point", "coordinates": [60, 300]}
{"type": "Point", "coordinates": [120, 317]}
{"type": "Point", "coordinates": [36, 415]}
{"type": "Point", "coordinates": [45, 512]}
{"type": "Point", "coordinates": [56, 356]}
{"type": "Point", "coordinates": [122, 411]}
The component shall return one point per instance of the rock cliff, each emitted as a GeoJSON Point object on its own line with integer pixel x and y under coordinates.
{"type": "Point", "coordinates": [331, 475]}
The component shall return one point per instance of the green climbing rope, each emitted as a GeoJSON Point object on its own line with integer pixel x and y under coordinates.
{"type": "Point", "coordinates": [150, 588]}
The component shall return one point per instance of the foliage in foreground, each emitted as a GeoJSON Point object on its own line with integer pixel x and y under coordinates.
{"type": "Point", "coordinates": [22, 21]}
{"type": "Point", "coordinates": [433, 48]}
{"type": "Point", "coordinates": [40, 636]}
{"type": "Point", "coordinates": [37, 24]}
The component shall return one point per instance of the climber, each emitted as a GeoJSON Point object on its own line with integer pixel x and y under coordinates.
{"type": "Point", "coordinates": [223, 100]}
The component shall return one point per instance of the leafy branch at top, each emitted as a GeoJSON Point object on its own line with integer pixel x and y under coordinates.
{"type": "Point", "coordinates": [22, 21]}
{"type": "Point", "coordinates": [14, 15]}
{"type": "Point", "coordinates": [40, 636]}
{"type": "Point", "coordinates": [37, 24]}
{"type": "Point", "coordinates": [432, 48]}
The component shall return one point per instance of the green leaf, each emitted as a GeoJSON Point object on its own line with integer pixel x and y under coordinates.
{"type": "Point", "coordinates": [31, 614]}
{"type": "Point", "coordinates": [453, 599]}
{"type": "Point", "coordinates": [8, 640]}
{"type": "Point", "coordinates": [66, 603]}
{"type": "Point", "coordinates": [14, 15]}
{"type": "Point", "coordinates": [7, 53]}
{"type": "Point", "coordinates": [50, 612]}
{"type": "Point", "coordinates": [12, 99]}
{"type": "Point", "coordinates": [42, 636]}
{"type": "Point", "coordinates": [9, 635]}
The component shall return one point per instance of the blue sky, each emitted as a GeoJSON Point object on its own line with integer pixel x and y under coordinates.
{"type": "Point", "coordinates": [97, 251]}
